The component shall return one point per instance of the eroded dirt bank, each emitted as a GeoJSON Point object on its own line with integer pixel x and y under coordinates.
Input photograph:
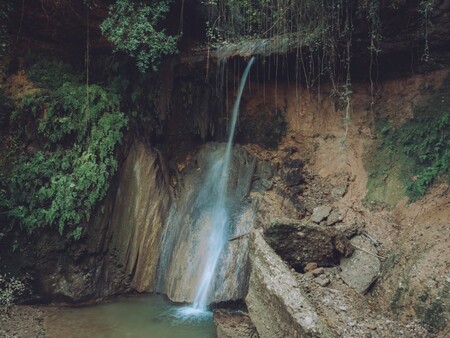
{"type": "Point", "coordinates": [401, 249]}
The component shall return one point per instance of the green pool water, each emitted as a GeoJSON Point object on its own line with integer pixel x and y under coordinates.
{"type": "Point", "coordinates": [138, 316]}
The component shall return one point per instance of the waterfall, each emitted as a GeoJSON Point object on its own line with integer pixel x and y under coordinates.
{"type": "Point", "coordinates": [207, 211]}
{"type": "Point", "coordinates": [219, 216]}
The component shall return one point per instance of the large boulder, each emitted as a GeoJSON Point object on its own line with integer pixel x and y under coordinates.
{"type": "Point", "coordinates": [277, 305]}
{"type": "Point", "coordinates": [301, 243]}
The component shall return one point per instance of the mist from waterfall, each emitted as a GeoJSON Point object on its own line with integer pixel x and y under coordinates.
{"type": "Point", "coordinates": [209, 218]}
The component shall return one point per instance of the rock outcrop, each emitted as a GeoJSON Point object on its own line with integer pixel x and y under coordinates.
{"type": "Point", "coordinates": [189, 223]}
{"type": "Point", "coordinates": [121, 248]}
{"type": "Point", "coordinates": [140, 212]}
{"type": "Point", "coordinates": [276, 304]}
{"type": "Point", "coordinates": [302, 243]}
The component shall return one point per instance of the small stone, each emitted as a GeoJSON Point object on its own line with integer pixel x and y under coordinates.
{"type": "Point", "coordinates": [322, 280]}
{"type": "Point", "coordinates": [310, 266]}
{"type": "Point", "coordinates": [320, 213]}
{"type": "Point", "coordinates": [334, 218]}
{"type": "Point", "coordinates": [371, 326]}
{"type": "Point", "coordinates": [301, 235]}
{"type": "Point", "coordinates": [338, 192]}
{"type": "Point", "coordinates": [267, 184]}
{"type": "Point", "coordinates": [318, 272]}
{"type": "Point", "coordinates": [290, 149]}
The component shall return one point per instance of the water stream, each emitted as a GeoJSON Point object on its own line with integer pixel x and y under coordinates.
{"type": "Point", "coordinates": [218, 183]}
{"type": "Point", "coordinates": [206, 236]}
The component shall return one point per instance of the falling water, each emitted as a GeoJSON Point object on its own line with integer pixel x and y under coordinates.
{"type": "Point", "coordinates": [218, 178]}
{"type": "Point", "coordinates": [211, 213]}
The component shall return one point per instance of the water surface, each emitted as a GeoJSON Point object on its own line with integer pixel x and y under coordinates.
{"type": "Point", "coordinates": [138, 316]}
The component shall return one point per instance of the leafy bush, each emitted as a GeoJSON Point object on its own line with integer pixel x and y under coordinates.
{"type": "Point", "coordinates": [74, 131]}
{"type": "Point", "coordinates": [132, 28]}
{"type": "Point", "coordinates": [49, 74]}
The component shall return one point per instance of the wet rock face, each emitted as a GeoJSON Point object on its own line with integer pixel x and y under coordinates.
{"type": "Point", "coordinates": [121, 249]}
{"type": "Point", "coordinates": [182, 254]}
{"type": "Point", "coordinates": [303, 243]}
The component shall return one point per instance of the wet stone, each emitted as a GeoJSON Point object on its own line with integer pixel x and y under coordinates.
{"type": "Point", "coordinates": [262, 185]}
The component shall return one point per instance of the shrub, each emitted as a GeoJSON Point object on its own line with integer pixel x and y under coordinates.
{"type": "Point", "coordinates": [132, 28]}
{"type": "Point", "coordinates": [74, 131]}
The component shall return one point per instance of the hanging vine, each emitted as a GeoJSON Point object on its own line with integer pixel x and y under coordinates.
{"type": "Point", "coordinates": [425, 9]}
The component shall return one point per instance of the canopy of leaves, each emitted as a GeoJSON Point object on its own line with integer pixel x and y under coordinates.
{"type": "Point", "coordinates": [132, 28]}
{"type": "Point", "coordinates": [72, 132]}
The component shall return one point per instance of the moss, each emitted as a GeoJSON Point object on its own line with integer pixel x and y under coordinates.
{"type": "Point", "coordinates": [397, 301]}
{"type": "Point", "coordinates": [410, 157]}
{"type": "Point", "coordinates": [387, 171]}
{"type": "Point", "coordinates": [434, 312]}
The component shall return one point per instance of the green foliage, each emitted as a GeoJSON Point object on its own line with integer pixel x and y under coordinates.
{"type": "Point", "coordinates": [132, 28]}
{"type": "Point", "coordinates": [433, 310]}
{"type": "Point", "coordinates": [47, 73]}
{"type": "Point", "coordinates": [423, 142]}
{"type": "Point", "coordinates": [74, 131]}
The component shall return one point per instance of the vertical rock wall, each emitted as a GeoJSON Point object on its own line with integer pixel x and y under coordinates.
{"type": "Point", "coordinates": [188, 225]}
{"type": "Point", "coordinates": [120, 251]}
{"type": "Point", "coordinates": [140, 211]}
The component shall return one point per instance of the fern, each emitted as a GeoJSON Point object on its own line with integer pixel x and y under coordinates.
{"type": "Point", "coordinates": [59, 185]}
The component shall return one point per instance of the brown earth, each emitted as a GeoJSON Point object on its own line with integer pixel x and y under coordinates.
{"type": "Point", "coordinates": [414, 238]}
{"type": "Point", "coordinates": [22, 321]}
